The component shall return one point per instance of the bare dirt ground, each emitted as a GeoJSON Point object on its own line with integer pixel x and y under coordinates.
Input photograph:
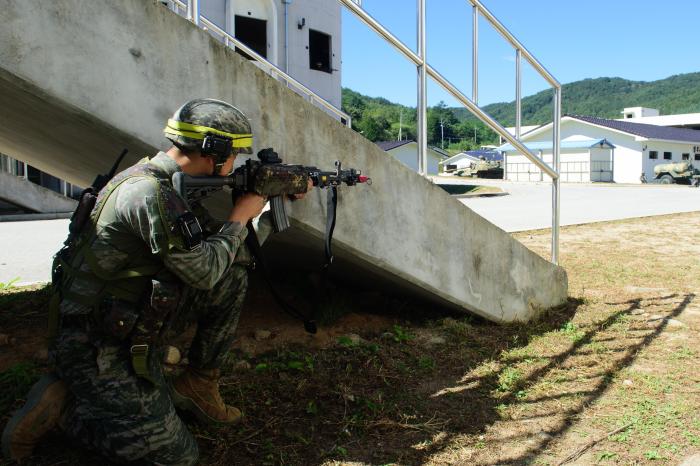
{"type": "Point", "coordinates": [611, 378]}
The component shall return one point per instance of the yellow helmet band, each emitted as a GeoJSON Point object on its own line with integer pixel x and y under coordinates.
{"type": "Point", "coordinates": [178, 128]}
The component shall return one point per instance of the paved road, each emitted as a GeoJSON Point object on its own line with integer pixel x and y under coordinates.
{"type": "Point", "coordinates": [27, 246]}
{"type": "Point", "coordinates": [27, 249]}
{"type": "Point", "coordinates": [528, 206]}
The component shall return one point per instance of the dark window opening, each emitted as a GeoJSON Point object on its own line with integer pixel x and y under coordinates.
{"type": "Point", "coordinates": [667, 156]}
{"type": "Point", "coordinates": [319, 51]}
{"type": "Point", "coordinates": [33, 175]}
{"type": "Point", "coordinates": [253, 33]}
{"type": "Point", "coordinates": [630, 115]}
{"type": "Point", "coordinates": [653, 154]}
{"type": "Point", "coordinates": [685, 157]}
{"type": "Point", "coordinates": [697, 156]}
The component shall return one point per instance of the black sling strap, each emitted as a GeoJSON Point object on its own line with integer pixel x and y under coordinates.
{"type": "Point", "coordinates": [255, 248]}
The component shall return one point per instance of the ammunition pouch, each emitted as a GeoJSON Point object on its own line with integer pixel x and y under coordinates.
{"type": "Point", "coordinates": [117, 318]}
{"type": "Point", "coordinates": [163, 301]}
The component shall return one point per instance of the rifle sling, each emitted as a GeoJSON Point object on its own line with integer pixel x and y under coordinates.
{"type": "Point", "coordinates": [254, 246]}
{"type": "Point", "coordinates": [331, 204]}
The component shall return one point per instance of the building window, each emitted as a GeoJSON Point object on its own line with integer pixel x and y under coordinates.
{"type": "Point", "coordinates": [653, 154]}
{"type": "Point", "coordinates": [685, 157]}
{"type": "Point", "coordinates": [697, 156]}
{"type": "Point", "coordinates": [253, 33]}
{"type": "Point", "coordinates": [667, 156]}
{"type": "Point", "coordinates": [319, 51]}
{"type": "Point", "coordinates": [629, 115]}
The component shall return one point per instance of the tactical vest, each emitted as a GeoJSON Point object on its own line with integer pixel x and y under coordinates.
{"type": "Point", "coordinates": [121, 308]}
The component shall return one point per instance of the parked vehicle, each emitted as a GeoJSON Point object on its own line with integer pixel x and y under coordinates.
{"type": "Point", "coordinates": [483, 169]}
{"type": "Point", "coordinates": [678, 173]}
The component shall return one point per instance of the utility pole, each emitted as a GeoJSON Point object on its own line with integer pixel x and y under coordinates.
{"type": "Point", "coordinates": [442, 135]}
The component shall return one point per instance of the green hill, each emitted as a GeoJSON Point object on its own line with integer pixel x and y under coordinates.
{"type": "Point", "coordinates": [379, 119]}
{"type": "Point", "coordinates": [603, 97]}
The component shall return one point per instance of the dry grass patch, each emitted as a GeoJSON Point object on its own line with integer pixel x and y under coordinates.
{"type": "Point", "coordinates": [621, 357]}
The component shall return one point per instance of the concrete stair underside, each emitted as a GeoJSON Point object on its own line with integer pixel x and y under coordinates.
{"type": "Point", "coordinates": [31, 196]}
{"type": "Point", "coordinates": [82, 80]}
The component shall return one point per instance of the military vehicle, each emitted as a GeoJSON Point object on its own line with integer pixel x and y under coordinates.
{"type": "Point", "coordinates": [678, 173]}
{"type": "Point", "coordinates": [483, 169]}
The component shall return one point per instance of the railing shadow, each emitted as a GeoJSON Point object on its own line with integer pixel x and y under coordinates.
{"type": "Point", "coordinates": [360, 404]}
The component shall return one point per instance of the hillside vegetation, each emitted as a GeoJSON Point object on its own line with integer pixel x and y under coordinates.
{"type": "Point", "coordinates": [379, 119]}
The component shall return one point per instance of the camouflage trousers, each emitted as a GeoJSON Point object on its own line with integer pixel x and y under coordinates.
{"type": "Point", "coordinates": [124, 417]}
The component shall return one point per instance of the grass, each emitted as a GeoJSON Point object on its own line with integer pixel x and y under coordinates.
{"type": "Point", "coordinates": [458, 189]}
{"type": "Point", "coordinates": [7, 285]}
{"type": "Point", "coordinates": [15, 382]}
{"type": "Point", "coordinates": [484, 393]}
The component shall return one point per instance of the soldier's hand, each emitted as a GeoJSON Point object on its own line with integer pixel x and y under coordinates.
{"type": "Point", "coordinates": [309, 187]}
{"type": "Point", "coordinates": [247, 206]}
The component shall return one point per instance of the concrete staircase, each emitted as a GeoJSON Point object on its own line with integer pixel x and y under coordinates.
{"type": "Point", "coordinates": [82, 80]}
{"type": "Point", "coordinates": [31, 196]}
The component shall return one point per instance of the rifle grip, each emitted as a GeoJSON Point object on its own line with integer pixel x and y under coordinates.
{"type": "Point", "coordinates": [278, 211]}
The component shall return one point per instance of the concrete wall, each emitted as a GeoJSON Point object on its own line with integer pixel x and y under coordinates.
{"type": "Point", "coordinates": [28, 195]}
{"type": "Point", "coordinates": [80, 80]}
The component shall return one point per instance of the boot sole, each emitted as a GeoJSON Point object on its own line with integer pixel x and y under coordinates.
{"type": "Point", "coordinates": [33, 398]}
{"type": "Point", "coordinates": [187, 404]}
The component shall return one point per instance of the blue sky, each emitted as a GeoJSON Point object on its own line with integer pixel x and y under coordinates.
{"type": "Point", "coordinates": [641, 40]}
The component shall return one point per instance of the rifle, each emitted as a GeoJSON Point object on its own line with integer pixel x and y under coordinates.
{"type": "Point", "coordinates": [269, 177]}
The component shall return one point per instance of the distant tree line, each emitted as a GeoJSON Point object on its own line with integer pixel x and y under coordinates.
{"type": "Point", "coordinates": [456, 129]}
{"type": "Point", "coordinates": [380, 120]}
{"type": "Point", "coordinates": [603, 98]}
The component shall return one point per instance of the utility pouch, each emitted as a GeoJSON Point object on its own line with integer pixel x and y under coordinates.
{"type": "Point", "coordinates": [164, 298]}
{"type": "Point", "coordinates": [86, 203]}
{"type": "Point", "coordinates": [118, 317]}
{"type": "Point", "coordinates": [191, 230]}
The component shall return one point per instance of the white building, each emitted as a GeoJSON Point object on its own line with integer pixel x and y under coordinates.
{"type": "Point", "coordinates": [652, 116]}
{"type": "Point", "coordinates": [301, 37]}
{"type": "Point", "coordinates": [638, 147]}
{"type": "Point", "coordinates": [406, 152]}
{"type": "Point", "coordinates": [583, 160]}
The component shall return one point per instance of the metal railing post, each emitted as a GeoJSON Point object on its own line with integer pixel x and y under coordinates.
{"type": "Point", "coordinates": [518, 96]}
{"type": "Point", "coordinates": [422, 135]}
{"type": "Point", "coordinates": [475, 54]}
{"type": "Point", "coordinates": [556, 185]}
{"type": "Point", "coordinates": [193, 11]}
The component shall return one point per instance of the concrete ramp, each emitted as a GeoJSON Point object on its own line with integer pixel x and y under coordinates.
{"type": "Point", "coordinates": [31, 196]}
{"type": "Point", "coordinates": [81, 80]}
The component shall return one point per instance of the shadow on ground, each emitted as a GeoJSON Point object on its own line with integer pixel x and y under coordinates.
{"type": "Point", "coordinates": [411, 394]}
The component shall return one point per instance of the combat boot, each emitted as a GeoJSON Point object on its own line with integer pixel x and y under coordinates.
{"type": "Point", "coordinates": [197, 391]}
{"type": "Point", "coordinates": [41, 413]}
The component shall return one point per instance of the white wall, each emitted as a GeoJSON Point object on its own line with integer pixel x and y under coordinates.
{"type": "Point", "coordinates": [320, 15]}
{"type": "Point", "coordinates": [576, 166]}
{"type": "Point", "coordinates": [627, 153]}
{"type": "Point", "coordinates": [408, 155]}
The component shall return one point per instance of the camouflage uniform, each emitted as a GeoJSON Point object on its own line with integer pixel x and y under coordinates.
{"type": "Point", "coordinates": [115, 412]}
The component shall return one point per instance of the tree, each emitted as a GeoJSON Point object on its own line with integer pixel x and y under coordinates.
{"type": "Point", "coordinates": [441, 121]}
{"type": "Point", "coordinates": [375, 128]}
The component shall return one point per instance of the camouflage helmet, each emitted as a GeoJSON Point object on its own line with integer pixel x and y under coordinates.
{"type": "Point", "coordinates": [195, 120]}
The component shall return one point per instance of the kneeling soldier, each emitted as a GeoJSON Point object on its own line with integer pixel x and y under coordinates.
{"type": "Point", "coordinates": [143, 264]}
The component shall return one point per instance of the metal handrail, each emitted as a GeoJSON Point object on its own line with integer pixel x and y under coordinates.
{"type": "Point", "coordinates": [419, 59]}
{"type": "Point", "coordinates": [191, 10]}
